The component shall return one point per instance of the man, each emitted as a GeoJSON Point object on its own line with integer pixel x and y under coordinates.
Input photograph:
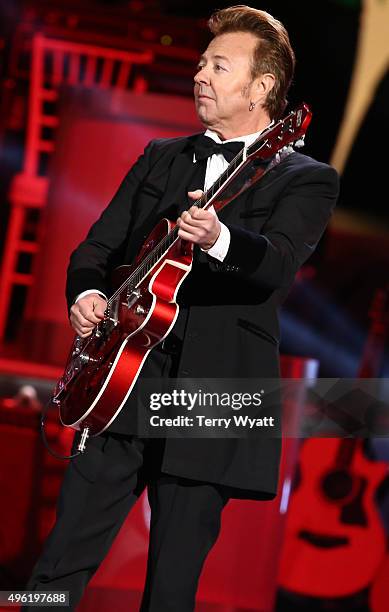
{"type": "Point", "coordinates": [245, 261]}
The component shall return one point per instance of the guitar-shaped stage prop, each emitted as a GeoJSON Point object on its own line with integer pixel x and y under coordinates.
{"type": "Point", "coordinates": [102, 369]}
{"type": "Point", "coordinates": [335, 540]}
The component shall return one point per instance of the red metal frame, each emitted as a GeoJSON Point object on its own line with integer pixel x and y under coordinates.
{"type": "Point", "coordinates": [54, 63]}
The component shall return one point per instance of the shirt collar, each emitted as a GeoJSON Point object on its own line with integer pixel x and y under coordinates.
{"type": "Point", "coordinates": [248, 139]}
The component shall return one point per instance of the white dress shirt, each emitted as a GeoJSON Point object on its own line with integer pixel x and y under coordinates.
{"type": "Point", "coordinates": [216, 164]}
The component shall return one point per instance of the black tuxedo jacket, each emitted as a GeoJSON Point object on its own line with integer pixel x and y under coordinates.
{"type": "Point", "coordinates": [232, 327]}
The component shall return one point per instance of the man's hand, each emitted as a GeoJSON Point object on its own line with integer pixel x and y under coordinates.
{"type": "Point", "coordinates": [86, 313]}
{"type": "Point", "coordinates": [197, 225]}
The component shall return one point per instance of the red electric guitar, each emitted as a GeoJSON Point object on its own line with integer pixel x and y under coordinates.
{"type": "Point", "coordinates": [335, 540]}
{"type": "Point", "coordinates": [102, 369]}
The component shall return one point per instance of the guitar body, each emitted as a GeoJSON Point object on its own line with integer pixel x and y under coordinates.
{"type": "Point", "coordinates": [334, 540]}
{"type": "Point", "coordinates": [102, 369]}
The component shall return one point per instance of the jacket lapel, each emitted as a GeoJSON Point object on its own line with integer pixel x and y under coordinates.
{"type": "Point", "coordinates": [184, 176]}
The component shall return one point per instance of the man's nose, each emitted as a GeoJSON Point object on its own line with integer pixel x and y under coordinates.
{"type": "Point", "coordinates": [201, 76]}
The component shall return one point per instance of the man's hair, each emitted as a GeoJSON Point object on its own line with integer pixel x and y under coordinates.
{"type": "Point", "coordinates": [273, 52]}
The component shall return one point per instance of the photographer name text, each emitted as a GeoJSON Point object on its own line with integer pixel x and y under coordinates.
{"type": "Point", "coordinates": [204, 421]}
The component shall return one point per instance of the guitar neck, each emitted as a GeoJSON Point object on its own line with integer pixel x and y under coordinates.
{"type": "Point", "coordinates": [248, 167]}
{"type": "Point", "coordinates": [237, 178]}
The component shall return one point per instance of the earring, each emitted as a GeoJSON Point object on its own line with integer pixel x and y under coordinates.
{"type": "Point", "coordinates": [252, 106]}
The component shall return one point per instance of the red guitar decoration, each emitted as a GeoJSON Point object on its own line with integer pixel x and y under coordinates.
{"type": "Point", "coordinates": [334, 540]}
{"type": "Point", "coordinates": [102, 369]}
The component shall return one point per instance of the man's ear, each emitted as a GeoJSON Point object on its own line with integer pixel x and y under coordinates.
{"type": "Point", "coordinates": [263, 85]}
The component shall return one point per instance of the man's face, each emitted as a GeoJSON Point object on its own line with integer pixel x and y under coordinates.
{"type": "Point", "coordinates": [223, 84]}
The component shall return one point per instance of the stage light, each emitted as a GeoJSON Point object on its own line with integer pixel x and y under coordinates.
{"type": "Point", "coordinates": [166, 40]}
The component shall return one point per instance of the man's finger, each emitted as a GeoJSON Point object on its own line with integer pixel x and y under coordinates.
{"type": "Point", "coordinates": [188, 236]}
{"type": "Point", "coordinates": [189, 220]}
{"type": "Point", "coordinates": [99, 307]}
{"type": "Point", "coordinates": [81, 322]}
{"type": "Point", "coordinates": [80, 329]}
{"type": "Point", "coordinates": [83, 334]}
{"type": "Point", "coordinates": [92, 307]}
{"type": "Point", "coordinates": [193, 228]}
{"type": "Point", "coordinates": [199, 213]}
{"type": "Point", "coordinates": [88, 315]}
{"type": "Point", "coordinates": [195, 195]}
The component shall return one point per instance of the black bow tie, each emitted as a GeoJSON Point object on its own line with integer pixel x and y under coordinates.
{"type": "Point", "coordinates": [205, 147]}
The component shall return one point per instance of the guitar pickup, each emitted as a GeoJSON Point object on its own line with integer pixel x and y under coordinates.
{"type": "Point", "coordinates": [133, 297]}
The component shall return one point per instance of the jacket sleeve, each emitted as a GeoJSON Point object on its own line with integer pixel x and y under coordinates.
{"type": "Point", "coordinates": [270, 259]}
{"type": "Point", "coordinates": [89, 262]}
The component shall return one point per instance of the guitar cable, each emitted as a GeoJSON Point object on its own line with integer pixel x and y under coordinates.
{"type": "Point", "coordinates": [45, 440]}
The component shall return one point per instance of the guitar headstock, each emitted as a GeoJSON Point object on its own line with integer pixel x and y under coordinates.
{"type": "Point", "coordinates": [287, 131]}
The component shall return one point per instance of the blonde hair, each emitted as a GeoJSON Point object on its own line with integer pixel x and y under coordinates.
{"type": "Point", "coordinates": [273, 52]}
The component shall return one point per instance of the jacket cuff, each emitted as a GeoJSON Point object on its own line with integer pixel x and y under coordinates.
{"type": "Point", "coordinates": [246, 251]}
{"type": "Point", "coordinates": [81, 280]}
{"type": "Point", "coordinates": [89, 292]}
{"type": "Point", "coordinates": [220, 248]}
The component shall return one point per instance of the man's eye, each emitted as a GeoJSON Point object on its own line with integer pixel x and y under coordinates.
{"type": "Point", "coordinates": [218, 67]}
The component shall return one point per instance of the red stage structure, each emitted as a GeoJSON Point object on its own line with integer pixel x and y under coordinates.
{"type": "Point", "coordinates": [54, 63]}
